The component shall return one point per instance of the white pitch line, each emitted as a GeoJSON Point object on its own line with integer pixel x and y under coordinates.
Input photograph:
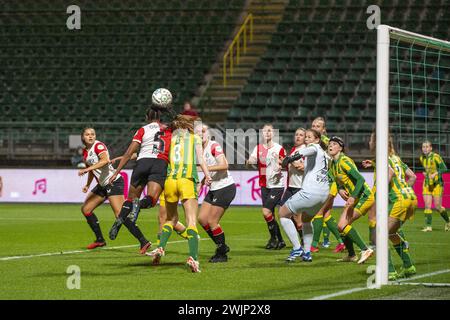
{"type": "Point", "coordinates": [345, 292]}
{"type": "Point", "coordinates": [76, 251]}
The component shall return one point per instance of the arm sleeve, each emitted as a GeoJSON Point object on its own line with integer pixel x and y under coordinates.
{"type": "Point", "coordinates": [216, 150]}
{"type": "Point", "coordinates": [351, 171]}
{"type": "Point", "coordinates": [100, 148]}
{"type": "Point", "coordinates": [440, 164]}
{"type": "Point", "coordinates": [139, 135]}
{"type": "Point", "coordinates": [308, 151]}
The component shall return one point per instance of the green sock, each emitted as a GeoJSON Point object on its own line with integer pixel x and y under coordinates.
{"type": "Point", "coordinates": [165, 235]}
{"type": "Point", "coordinates": [390, 263]}
{"type": "Point", "coordinates": [401, 234]}
{"type": "Point", "coordinates": [444, 215]}
{"type": "Point", "coordinates": [332, 226]}
{"type": "Point", "coordinates": [326, 233]}
{"type": "Point", "coordinates": [158, 238]}
{"type": "Point", "coordinates": [192, 235]}
{"type": "Point", "coordinates": [317, 228]}
{"type": "Point", "coordinates": [356, 238]}
{"type": "Point", "coordinates": [428, 217]}
{"type": "Point", "coordinates": [403, 252]}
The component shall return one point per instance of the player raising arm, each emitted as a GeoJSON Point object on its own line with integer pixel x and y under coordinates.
{"type": "Point", "coordinates": [151, 167]}
{"type": "Point", "coordinates": [308, 201]}
{"type": "Point", "coordinates": [96, 157]}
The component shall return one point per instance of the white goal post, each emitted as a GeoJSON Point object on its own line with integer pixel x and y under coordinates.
{"type": "Point", "coordinates": [384, 34]}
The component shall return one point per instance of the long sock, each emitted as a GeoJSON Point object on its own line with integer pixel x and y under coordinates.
{"type": "Point", "coordinates": [193, 242]}
{"type": "Point", "coordinates": [403, 252]}
{"type": "Point", "coordinates": [444, 215]}
{"type": "Point", "coordinates": [401, 234]}
{"type": "Point", "coordinates": [158, 239]}
{"type": "Point", "coordinates": [126, 209]}
{"type": "Point", "coordinates": [428, 217]}
{"type": "Point", "coordinates": [317, 224]}
{"type": "Point", "coordinates": [308, 235]}
{"type": "Point", "coordinates": [355, 237]}
{"type": "Point", "coordinates": [272, 225]}
{"type": "Point", "coordinates": [208, 230]}
{"type": "Point", "coordinates": [300, 234]}
{"type": "Point", "coordinates": [391, 267]}
{"type": "Point", "coordinates": [332, 225]}
{"type": "Point", "coordinates": [147, 202]}
{"type": "Point", "coordinates": [92, 221]}
{"type": "Point", "coordinates": [348, 245]}
{"type": "Point", "coordinates": [167, 230]}
{"type": "Point", "coordinates": [278, 231]}
{"type": "Point", "coordinates": [291, 232]}
{"type": "Point", "coordinates": [372, 232]}
{"type": "Point", "coordinates": [135, 231]}
{"type": "Point", "coordinates": [326, 232]}
{"type": "Point", "coordinates": [219, 239]}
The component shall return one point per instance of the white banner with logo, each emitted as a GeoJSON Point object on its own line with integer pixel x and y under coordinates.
{"type": "Point", "coordinates": [64, 186]}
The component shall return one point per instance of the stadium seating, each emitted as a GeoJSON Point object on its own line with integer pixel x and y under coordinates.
{"type": "Point", "coordinates": [322, 62]}
{"type": "Point", "coordinates": [108, 69]}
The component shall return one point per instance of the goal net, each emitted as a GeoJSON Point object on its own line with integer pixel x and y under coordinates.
{"type": "Point", "coordinates": [413, 105]}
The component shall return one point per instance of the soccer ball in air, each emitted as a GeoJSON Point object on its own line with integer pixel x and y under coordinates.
{"type": "Point", "coordinates": [162, 98]}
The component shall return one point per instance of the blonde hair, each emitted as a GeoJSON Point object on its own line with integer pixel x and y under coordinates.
{"type": "Point", "coordinates": [183, 122]}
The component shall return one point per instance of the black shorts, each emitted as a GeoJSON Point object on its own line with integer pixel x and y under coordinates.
{"type": "Point", "coordinates": [114, 189]}
{"type": "Point", "coordinates": [290, 191]}
{"type": "Point", "coordinates": [222, 197]}
{"type": "Point", "coordinates": [271, 197]}
{"type": "Point", "coordinates": [149, 169]}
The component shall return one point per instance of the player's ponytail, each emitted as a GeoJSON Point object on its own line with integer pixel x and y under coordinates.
{"type": "Point", "coordinates": [153, 114]}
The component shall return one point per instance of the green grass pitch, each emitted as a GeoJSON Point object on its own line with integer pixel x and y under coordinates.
{"type": "Point", "coordinates": [119, 272]}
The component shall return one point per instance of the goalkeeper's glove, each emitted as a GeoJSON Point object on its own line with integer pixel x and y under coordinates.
{"type": "Point", "coordinates": [290, 159]}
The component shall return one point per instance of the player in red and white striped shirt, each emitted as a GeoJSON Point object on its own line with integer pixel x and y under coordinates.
{"type": "Point", "coordinates": [96, 158]}
{"type": "Point", "coordinates": [153, 142]}
{"type": "Point", "coordinates": [266, 155]}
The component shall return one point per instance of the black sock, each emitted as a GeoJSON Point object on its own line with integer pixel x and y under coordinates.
{"type": "Point", "coordinates": [208, 231]}
{"type": "Point", "coordinates": [95, 226]}
{"type": "Point", "coordinates": [278, 231]}
{"type": "Point", "coordinates": [349, 245]}
{"type": "Point", "coordinates": [272, 225]}
{"type": "Point", "coordinates": [146, 202]}
{"type": "Point", "coordinates": [300, 233]}
{"type": "Point", "coordinates": [126, 209]}
{"type": "Point", "coordinates": [220, 242]}
{"type": "Point", "coordinates": [135, 231]}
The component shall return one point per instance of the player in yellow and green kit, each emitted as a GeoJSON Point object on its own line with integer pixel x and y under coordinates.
{"type": "Point", "coordinates": [181, 185]}
{"type": "Point", "coordinates": [402, 203]}
{"type": "Point", "coordinates": [344, 172]}
{"type": "Point", "coordinates": [433, 185]}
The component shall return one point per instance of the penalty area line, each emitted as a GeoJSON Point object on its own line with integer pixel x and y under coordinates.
{"type": "Point", "coordinates": [77, 251]}
{"type": "Point", "coordinates": [399, 282]}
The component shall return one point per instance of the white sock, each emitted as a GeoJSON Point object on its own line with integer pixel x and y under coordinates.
{"type": "Point", "coordinates": [291, 232]}
{"type": "Point", "coordinates": [308, 233]}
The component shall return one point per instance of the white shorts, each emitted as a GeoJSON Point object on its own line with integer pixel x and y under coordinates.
{"type": "Point", "coordinates": [304, 201]}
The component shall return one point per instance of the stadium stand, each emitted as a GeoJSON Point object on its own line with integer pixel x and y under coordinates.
{"type": "Point", "coordinates": [105, 72]}
{"type": "Point", "coordinates": [322, 62]}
